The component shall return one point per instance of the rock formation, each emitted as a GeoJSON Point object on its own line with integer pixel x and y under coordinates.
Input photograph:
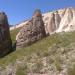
{"type": "Point", "coordinates": [5, 40]}
{"type": "Point", "coordinates": [32, 31]}
{"type": "Point", "coordinates": [57, 21]}
{"type": "Point", "coordinates": [60, 20]}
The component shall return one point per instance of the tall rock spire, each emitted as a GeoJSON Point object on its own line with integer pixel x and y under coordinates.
{"type": "Point", "coordinates": [5, 40]}
{"type": "Point", "coordinates": [34, 30]}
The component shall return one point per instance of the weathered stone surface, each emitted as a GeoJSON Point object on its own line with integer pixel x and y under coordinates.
{"type": "Point", "coordinates": [60, 20]}
{"type": "Point", "coordinates": [32, 31]}
{"type": "Point", "coordinates": [5, 40]}
{"type": "Point", "coordinates": [56, 21]}
{"type": "Point", "coordinates": [51, 25]}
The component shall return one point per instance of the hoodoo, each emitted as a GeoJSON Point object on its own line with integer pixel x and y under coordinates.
{"type": "Point", "coordinates": [5, 39]}
{"type": "Point", "coordinates": [31, 32]}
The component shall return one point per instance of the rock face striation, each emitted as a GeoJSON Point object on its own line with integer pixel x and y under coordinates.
{"type": "Point", "coordinates": [60, 20]}
{"type": "Point", "coordinates": [57, 21]}
{"type": "Point", "coordinates": [5, 40]}
{"type": "Point", "coordinates": [32, 31]}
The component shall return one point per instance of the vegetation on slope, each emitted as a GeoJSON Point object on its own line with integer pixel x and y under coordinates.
{"type": "Point", "coordinates": [40, 48]}
{"type": "Point", "coordinates": [13, 34]}
{"type": "Point", "coordinates": [63, 39]}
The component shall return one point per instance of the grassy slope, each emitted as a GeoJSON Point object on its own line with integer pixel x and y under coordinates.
{"type": "Point", "coordinates": [14, 33]}
{"type": "Point", "coordinates": [40, 46]}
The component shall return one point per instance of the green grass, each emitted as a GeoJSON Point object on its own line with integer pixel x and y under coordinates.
{"type": "Point", "coordinates": [13, 33]}
{"type": "Point", "coordinates": [41, 46]}
{"type": "Point", "coordinates": [71, 70]}
{"type": "Point", "coordinates": [21, 70]}
{"type": "Point", "coordinates": [37, 67]}
{"type": "Point", "coordinates": [57, 63]}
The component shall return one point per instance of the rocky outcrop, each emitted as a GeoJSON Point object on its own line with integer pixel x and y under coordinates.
{"type": "Point", "coordinates": [57, 21]}
{"type": "Point", "coordinates": [62, 20]}
{"type": "Point", "coordinates": [54, 22]}
{"type": "Point", "coordinates": [51, 25]}
{"type": "Point", "coordinates": [32, 31]}
{"type": "Point", "coordinates": [5, 40]}
{"type": "Point", "coordinates": [65, 20]}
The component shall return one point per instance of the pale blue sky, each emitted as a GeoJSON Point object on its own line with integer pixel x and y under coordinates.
{"type": "Point", "coordinates": [20, 10]}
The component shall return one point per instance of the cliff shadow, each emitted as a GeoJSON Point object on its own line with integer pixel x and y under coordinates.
{"type": "Point", "coordinates": [12, 49]}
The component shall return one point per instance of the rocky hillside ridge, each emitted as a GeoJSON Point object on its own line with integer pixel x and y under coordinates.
{"type": "Point", "coordinates": [60, 20]}
{"type": "Point", "coordinates": [56, 21]}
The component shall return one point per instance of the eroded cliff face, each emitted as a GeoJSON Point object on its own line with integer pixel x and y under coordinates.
{"type": "Point", "coordinates": [60, 20]}
{"type": "Point", "coordinates": [56, 21]}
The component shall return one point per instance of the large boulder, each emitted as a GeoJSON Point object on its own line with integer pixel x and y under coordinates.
{"type": "Point", "coordinates": [5, 40]}
{"type": "Point", "coordinates": [31, 32]}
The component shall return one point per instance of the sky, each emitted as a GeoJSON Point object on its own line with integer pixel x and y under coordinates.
{"type": "Point", "coordinates": [21, 10]}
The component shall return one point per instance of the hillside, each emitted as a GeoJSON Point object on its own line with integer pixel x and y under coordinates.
{"type": "Point", "coordinates": [49, 55]}
{"type": "Point", "coordinates": [53, 55]}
